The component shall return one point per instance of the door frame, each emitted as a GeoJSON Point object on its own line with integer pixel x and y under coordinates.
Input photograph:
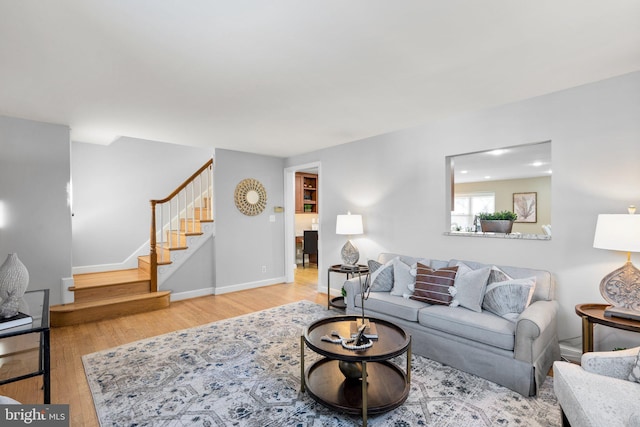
{"type": "Point", "coordinates": [290, 222]}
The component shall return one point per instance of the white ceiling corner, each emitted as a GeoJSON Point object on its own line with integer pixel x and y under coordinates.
{"type": "Point", "coordinates": [286, 77]}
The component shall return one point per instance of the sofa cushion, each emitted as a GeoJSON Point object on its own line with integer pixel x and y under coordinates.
{"type": "Point", "coordinates": [385, 257]}
{"type": "Point", "coordinates": [482, 327]}
{"type": "Point", "coordinates": [381, 276]}
{"type": "Point", "coordinates": [391, 305]}
{"type": "Point", "coordinates": [545, 284]}
{"type": "Point", "coordinates": [404, 278]}
{"type": "Point", "coordinates": [509, 298]}
{"type": "Point", "coordinates": [470, 286]}
{"type": "Point", "coordinates": [434, 286]}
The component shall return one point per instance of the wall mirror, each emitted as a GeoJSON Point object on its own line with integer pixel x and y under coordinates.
{"type": "Point", "coordinates": [516, 178]}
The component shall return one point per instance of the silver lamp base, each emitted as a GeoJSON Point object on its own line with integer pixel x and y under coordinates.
{"type": "Point", "coordinates": [621, 289]}
{"type": "Point", "coordinates": [349, 253]}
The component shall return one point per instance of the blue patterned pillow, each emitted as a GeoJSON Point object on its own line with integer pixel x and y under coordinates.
{"type": "Point", "coordinates": [509, 298]}
{"type": "Point", "coordinates": [381, 276]}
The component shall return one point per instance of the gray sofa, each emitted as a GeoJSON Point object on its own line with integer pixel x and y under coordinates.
{"type": "Point", "coordinates": [517, 355]}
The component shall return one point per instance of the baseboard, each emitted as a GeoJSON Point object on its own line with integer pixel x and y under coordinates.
{"type": "Point", "coordinates": [571, 349]}
{"type": "Point", "coordinates": [67, 296]}
{"type": "Point", "coordinates": [191, 294]}
{"type": "Point", "coordinates": [249, 285]}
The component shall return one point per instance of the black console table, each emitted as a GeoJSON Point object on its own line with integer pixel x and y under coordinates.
{"type": "Point", "coordinates": [25, 350]}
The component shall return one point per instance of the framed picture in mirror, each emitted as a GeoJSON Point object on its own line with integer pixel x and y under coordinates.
{"type": "Point", "coordinates": [525, 205]}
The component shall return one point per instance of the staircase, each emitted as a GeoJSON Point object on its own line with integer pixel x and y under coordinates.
{"type": "Point", "coordinates": [111, 294]}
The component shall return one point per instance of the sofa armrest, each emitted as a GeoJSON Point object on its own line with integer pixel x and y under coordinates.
{"type": "Point", "coordinates": [536, 326]}
{"type": "Point", "coordinates": [615, 364]}
{"type": "Point", "coordinates": [352, 288]}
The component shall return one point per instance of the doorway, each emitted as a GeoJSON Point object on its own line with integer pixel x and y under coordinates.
{"type": "Point", "coordinates": [303, 210]}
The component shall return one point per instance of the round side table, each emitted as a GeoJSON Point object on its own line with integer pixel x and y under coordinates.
{"type": "Point", "coordinates": [594, 313]}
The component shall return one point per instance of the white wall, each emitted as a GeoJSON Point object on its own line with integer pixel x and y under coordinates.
{"type": "Point", "coordinates": [112, 186]}
{"type": "Point", "coordinates": [244, 244]}
{"type": "Point", "coordinates": [397, 182]}
{"type": "Point", "coordinates": [35, 219]}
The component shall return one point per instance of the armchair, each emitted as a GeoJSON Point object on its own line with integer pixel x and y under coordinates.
{"type": "Point", "coordinates": [598, 393]}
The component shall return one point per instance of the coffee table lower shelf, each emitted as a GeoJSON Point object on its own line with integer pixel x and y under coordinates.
{"type": "Point", "coordinates": [387, 387]}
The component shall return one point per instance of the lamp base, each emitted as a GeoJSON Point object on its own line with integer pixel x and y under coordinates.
{"type": "Point", "coordinates": [624, 313]}
{"type": "Point", "coordinates": [621, 288]}
{"type": "Point", "coordinates": [349, 253]}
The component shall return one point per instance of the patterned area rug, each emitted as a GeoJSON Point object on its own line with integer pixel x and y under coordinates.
{"type": "Point", "coordinates": [245, 371]}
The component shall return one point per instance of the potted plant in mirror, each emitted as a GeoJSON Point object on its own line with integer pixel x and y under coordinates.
{"type": "Point", "coordinates": [497, 222]}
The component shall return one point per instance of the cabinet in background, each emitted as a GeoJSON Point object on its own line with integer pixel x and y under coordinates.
{"type": "Point", "coordinates": [306, 193]}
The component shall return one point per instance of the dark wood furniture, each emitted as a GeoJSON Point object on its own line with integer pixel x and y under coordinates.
{"type": "Point", "coordinates": [386, 385]}
{"type": "Point", "coordinates": [306, 193]}
{"type": "Point", "coordinates": [25, 350]}
{"type": "Point", "coordinates": [310, 245]}
{"type": "Point", "coordinates": [594, 313]}
{"type": "Point", "coordinates": [359, 269]}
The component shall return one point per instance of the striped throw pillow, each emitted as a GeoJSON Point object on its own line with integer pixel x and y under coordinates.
{"type": "Point", "coordinates": [435, 286]}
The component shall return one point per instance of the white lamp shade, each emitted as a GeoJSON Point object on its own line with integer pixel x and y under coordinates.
{"type": "Point", "coordinates": [349, 224]}
{"type": "Point", "coordinates": [618, 232]}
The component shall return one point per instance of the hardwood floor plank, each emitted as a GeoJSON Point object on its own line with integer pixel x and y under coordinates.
{"type": "Point", "coordinates": [69, 343]}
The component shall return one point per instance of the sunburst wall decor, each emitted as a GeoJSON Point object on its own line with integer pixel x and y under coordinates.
{"type": "Point", "coordinates": [251, 197]}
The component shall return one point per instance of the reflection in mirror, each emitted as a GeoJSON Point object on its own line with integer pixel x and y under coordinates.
{"type": "Point", "coordinates": [516, 179]}
{"type": "Point", "coordinates": [252, 197]}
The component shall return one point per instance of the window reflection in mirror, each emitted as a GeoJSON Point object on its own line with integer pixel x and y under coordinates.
{"type": "Point", "coordinates": [498, 180]}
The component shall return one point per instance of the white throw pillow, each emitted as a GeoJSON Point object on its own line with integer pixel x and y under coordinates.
{"type": "Point", "coordinates": [404, 278]}
{"type": "Point", "coordinates": [470, 286]}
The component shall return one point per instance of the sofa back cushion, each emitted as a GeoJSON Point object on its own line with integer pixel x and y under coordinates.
{"type": "Point", "coordinates": [545, 283]}
{"type": "Point", "coordinates": [385, 257]}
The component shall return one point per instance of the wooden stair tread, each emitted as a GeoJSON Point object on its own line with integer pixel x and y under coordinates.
{"type": "Point", "coordinates": [174, 248]}
{"type": "Point", "coordinates": [105, 302]}
{"type": "Point", "coordinates": [107, 278]}
{"type": "Point", "coordinates": [147, 259]}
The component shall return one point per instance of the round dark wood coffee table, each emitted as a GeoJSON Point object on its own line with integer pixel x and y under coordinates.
{"type": "Point", "coordinates": [386, 386]}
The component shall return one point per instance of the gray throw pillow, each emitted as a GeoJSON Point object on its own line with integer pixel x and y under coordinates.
{"type": "Point", "coordinates": [404, 278]}
{"type": "Point", "coordinates": [470, 285]}
{"type": "Point", "coordinates": [381, 276]}
{"type": "Point", "coordinates": [498, 275]}
{"type": "Point", "coordinates": [635, 372]}
{"type": "Point", "coordinates": [509, 298]}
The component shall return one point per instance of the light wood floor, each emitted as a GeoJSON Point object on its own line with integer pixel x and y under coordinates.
{"type": "Point", "coordinates": [68, 344]}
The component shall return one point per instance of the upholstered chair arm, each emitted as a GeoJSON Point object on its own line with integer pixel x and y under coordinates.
{"type": "Point", "coordinates": [536, 326]}
{"type": "Point", "coordinates": [352, 287]}
{"type": "Point", "coordinates": [615, 364]}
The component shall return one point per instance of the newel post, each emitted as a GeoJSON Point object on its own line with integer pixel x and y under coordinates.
{"type": "Point", "coordinates": [153, 256]}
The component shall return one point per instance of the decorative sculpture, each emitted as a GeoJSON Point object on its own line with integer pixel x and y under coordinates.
{"type": "Point", "coordinates": [14, 279]}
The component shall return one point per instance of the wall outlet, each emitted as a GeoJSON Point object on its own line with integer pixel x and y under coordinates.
{"type": "Point", "coordinates": [264, 268]}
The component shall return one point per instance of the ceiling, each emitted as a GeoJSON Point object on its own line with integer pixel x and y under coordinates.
{"type": "Point", "coordinates": [287, 77]}
{"type": "Point", "coordinates": [517, 162]}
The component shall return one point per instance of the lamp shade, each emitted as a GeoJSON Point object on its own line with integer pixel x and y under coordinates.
{"type": "Point", "coordinates": [349, 224]}
{"type": "Point", "coordinates": [618, 232]}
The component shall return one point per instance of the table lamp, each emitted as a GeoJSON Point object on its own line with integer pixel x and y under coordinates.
{"type": "Point", "coordinates": [349, 225]}
{"type": "Point", "coordinates": [621, 287]}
